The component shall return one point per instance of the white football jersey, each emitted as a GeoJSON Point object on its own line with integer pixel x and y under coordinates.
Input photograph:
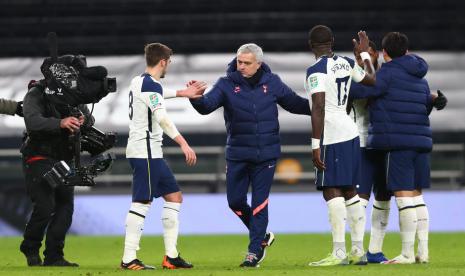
{"type": "Point", "coordinates": [359, 113]}
{"type": "Point", "coordinates": [145, 134]}
{"type": "Point", "coordinates": [333, 76]}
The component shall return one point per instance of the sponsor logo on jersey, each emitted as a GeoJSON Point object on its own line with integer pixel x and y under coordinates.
{"type": "Point", "coordinates": [313, 82]}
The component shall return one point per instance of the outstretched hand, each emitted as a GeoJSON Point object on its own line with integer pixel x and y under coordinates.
{"type": "Point", "coordinates": [194, 89]}
{"type": "Point", "coordinates": [362, 44]}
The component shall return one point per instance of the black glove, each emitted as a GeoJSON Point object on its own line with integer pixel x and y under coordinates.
{"type": "Point", "coordinates": [19, 109]}
{"type": "Point", "coordinates": [441, 101]}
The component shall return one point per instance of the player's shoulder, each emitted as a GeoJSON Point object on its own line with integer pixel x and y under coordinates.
{"type": "Point", "coordinates": [147, 84]}
{"type": "Point", "coordinates": [320, 66]}
{"type": "Point", "coordinates": [347, 59]}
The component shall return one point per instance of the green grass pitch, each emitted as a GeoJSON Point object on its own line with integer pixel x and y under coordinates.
{"type": "Point", "coordinates": [222, 254]}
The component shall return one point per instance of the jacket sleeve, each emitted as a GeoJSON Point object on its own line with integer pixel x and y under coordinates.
{"type": "Point", "coordinates": [360, 91]}
{"type": "Point", "coordinates": [290, 101]}
{"type": "Point", "coordinates": [34, 110]}
{"type": "Point", "coordinates": [210, 101]}
{"type": "Point", "coordinates": [89, 119]}
{"type": "Point", "coordinates": [8, 106]}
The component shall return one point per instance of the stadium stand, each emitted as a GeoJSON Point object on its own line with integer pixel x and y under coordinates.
{"type": "Point", "coordinates": [111, 27]}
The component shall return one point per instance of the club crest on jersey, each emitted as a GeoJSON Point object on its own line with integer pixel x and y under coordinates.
{"type": "Point", "coordinates": [265, 88]}
{"type": "Point", "coordinates": [154, 100]}
{"type": "Point", "coordinates": [313, 82]}
{"type": "Point", "coordinates": [237, 89]}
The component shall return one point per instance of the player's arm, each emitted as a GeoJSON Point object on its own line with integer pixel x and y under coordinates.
{"type": "Point", "coordinates": [359, 91]}
{"type": "Point", "coordinates": [361, 51]}
{"type": "Point", "coordinates": [170, 129]}
{"type": "Point", "coordinates": [156, 103]}
{"type": "Point", "coordinates": [318, 119]}
{"type": "Point", "coordinates": [316, 86]}
{"type": "Point", "coordinates": [194, 89]}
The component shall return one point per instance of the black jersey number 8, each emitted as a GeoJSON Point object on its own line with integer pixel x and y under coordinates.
{"type": "Point", "coordinates": [131, 109]}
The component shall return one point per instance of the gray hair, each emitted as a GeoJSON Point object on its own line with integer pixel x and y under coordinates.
{"type": "Point", "coordinates": [251, 48]}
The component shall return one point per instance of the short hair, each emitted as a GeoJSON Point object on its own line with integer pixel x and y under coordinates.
{"type": "Point", "coordinates": [320, 34]}
{"type": "Point", "coordinates": [395, 44]}
{"type": "Point", "coordinates": [251, 48]}
{"type": "Point", "coordinates": [154, 52]}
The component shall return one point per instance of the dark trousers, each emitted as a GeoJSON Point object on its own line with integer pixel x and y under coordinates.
{"type": "Point", "coordinates": [239, 175]}
{"type": "Point", "coordinates": [52, 212]}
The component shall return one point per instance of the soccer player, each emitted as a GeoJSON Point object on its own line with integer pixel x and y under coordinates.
{"type": "Point", "coordinates": [152, 177]}
{"type": "Point", "coordinates": [250, 94]}
{"type": "Point", "coordinates": [373, 163]}
{"type": "Point", "coordinates": [400, 125]}
{"type": "Point", "coordinates": [328, 83]}
{"type": "Point", "coordinates": [373, 173]}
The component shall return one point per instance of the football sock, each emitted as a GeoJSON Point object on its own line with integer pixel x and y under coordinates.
{"type": "Point", "coordinates": [357, 219]}
{"type": "Point", "coordinates": [379, 221]}
{"type": "Point", "coordinates": [407, 224]}
{"type": "Point", "coordinates": [337, 218]}
{"type": "Point", "coordinates": [134, 226]}
{"type": "Point", "coordinates": [170, 221]}
{"type": "Point", "coordinates": [423, 225]}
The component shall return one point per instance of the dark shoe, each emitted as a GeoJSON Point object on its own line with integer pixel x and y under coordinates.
{"type": "Point", "coordinates": [60, 262]}
{"type": "Point", "coordinates": [267, 242]}
{"type": "Point", "coordinates": [251, 260]}
{"type": "Point", "coordinates": [376, 258]}
{"type": "Point", "coordinates": [174, 263]}
{"type": "Point", "coordinates": [136, 265]}
{"type": "Point", "coordinates": [33, 259]}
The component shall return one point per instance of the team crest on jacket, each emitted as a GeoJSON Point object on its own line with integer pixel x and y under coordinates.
{"type": "Point", "coordinates": [237, 89]}
{"type": "Point", "coordinates": [265, 88]}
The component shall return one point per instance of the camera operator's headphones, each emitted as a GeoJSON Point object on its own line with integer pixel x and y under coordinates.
{"type": "Point", "coordinates": [70, 82]}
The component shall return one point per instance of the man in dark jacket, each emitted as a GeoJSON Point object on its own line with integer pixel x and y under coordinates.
{"type": "Point", "coordinates": [399, 124]}
{"type": "Point", "coordinates": [249, 94]}
{"type": "Point", "coordinates": [49, 127]}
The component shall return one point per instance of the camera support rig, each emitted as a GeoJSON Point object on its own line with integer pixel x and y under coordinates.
{"type": "Point", "coordinates": [88, 139]}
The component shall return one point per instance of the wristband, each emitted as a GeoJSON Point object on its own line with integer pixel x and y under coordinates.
{"type": "Point", "coordinates": [315, 143]}
{"type": "Point", "coordinates": [365, 56]}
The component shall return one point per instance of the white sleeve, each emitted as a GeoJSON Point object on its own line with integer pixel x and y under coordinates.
{"type": "Point", "coordinates": [169, 93]}
{"type": "Point", "coordinates": [165, 123]}
{"type": "Point", "coordinates": [315, 83]}
{"type": "Point", "coordinates": [153, 100]}
{"type": "Point", "coordinates": [358, 73]}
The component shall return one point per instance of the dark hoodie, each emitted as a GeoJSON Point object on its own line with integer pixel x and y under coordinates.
{"type": "Point", "coordinates": [399, 112]}
{"type": "Point", "coordinates": [251, 112]}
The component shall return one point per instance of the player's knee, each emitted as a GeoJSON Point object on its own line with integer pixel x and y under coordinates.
{"type": "Point", "coordinates": [173, 197]}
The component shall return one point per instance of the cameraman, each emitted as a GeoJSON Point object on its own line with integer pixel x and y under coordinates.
{"type": "Point", "coordinates": [49, 129]}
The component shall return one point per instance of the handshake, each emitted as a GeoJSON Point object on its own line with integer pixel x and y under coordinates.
{"type": "Point", "coordinates": [194, 89]}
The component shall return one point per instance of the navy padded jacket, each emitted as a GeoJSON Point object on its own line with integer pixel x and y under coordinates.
{"type": "Point", "coordinates": [399, 111]}
{"type": "Point", "coordinates": [251, 113]}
